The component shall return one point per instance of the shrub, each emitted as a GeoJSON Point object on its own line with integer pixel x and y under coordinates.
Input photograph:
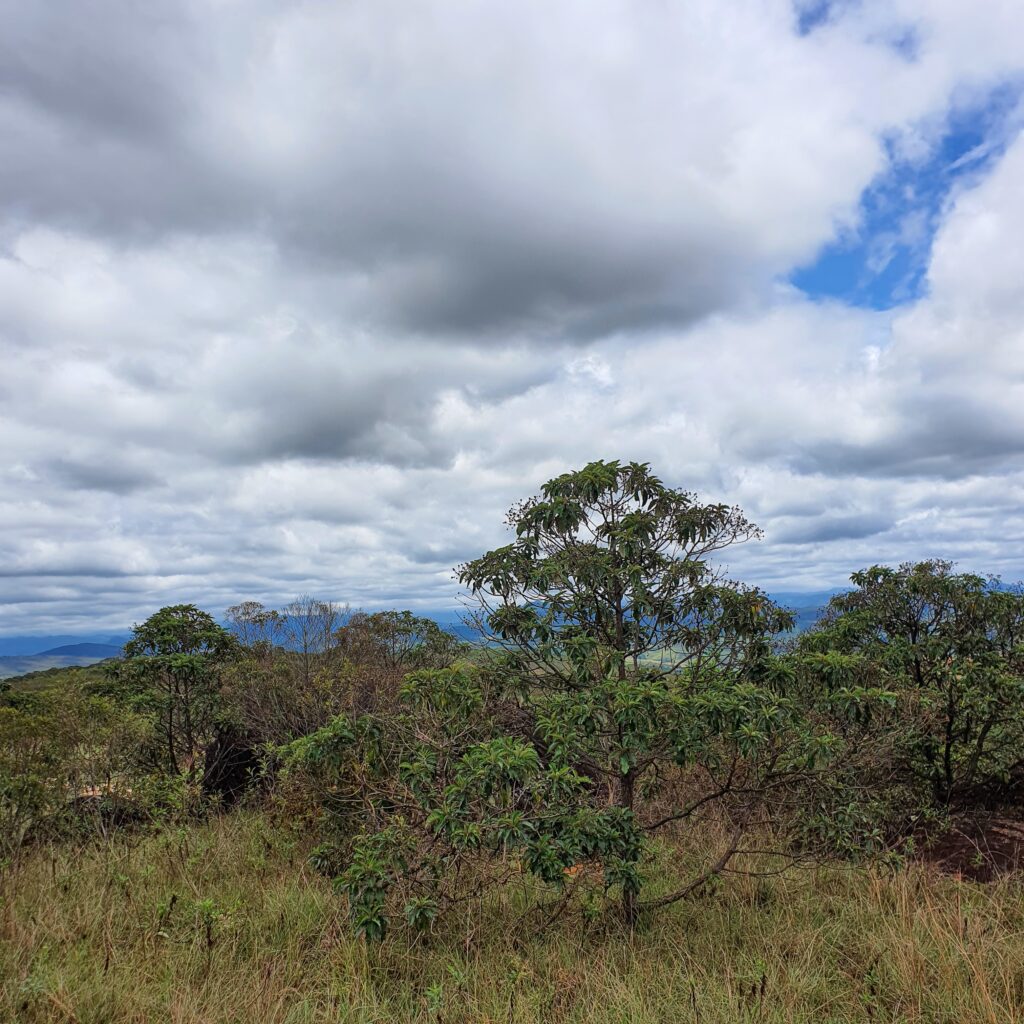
{"type": "Point", "coordinates": [950, 646]}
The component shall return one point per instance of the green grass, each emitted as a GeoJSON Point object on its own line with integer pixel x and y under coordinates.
{"type": "Point", "coordinates": [225, 922]}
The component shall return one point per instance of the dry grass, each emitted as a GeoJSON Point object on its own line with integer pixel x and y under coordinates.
{"type": "Point", "coordinates": [224, 922]}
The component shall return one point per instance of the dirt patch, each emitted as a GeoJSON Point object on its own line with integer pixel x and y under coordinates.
{"type": "Point", "coordinates": [979, 850]}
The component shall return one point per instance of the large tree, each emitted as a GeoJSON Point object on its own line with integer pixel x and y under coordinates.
{"type": "Point", "coordinates": [612, 566]}
{"type": "Point", "coordinates": [609, 599]}
{"type": "Point", "coordinates": [625, 689]}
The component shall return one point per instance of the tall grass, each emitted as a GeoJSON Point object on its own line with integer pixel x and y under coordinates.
{"type": "Point", "coordinates": [225, 922]}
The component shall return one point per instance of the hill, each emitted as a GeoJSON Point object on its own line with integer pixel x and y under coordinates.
{"type": "Point", "coordinates": [66, 678]}
{"type": "Point", "coordinates": [85, 650]}
{"type": "Point", "coordinates": [73, 656]}
{"type": "Point", "coordinates": [26, 645]}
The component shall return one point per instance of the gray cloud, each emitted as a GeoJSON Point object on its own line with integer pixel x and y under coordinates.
{"type": "Point", "coordinates": [454, 169]}
{"type": "Point", "coordinates": [301, 297]}
{"type": "Point", "coordinates": [829, 527]}
{"type": "Point", "coordinates": [99, 475]}
{"type": "Point", "coordinates": [942, 435]}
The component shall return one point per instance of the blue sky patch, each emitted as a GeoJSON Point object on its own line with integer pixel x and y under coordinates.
{"type": "Point", "coordinates": [883, 263]}
{"type": "Point", "coordinates": [810, 14]}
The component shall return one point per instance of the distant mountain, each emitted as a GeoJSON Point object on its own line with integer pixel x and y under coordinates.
{"type": "Point", "coordinates": [60, 657]}
{"type": "Point", "coordinates": [22, 654]}
{"type": "Point", "coordinates": [86, 650]}
{"type": "Point", "coordinates": [806, 605]}
{"type": "Point", "coordinates": [11, 646]}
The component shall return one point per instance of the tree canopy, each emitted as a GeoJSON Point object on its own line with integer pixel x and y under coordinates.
{"type": "Point", "coordinates": [620, 654]}
{"type": "Point", "coordinates": [172, 668]}
{"type": "Point", "coordinates": [951, 646]}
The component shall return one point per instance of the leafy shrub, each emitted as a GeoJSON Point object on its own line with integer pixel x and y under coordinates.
{"type": "Point", "coordinates": [950, 648]}
{"type": "Point", "coordinates": [69, 763]}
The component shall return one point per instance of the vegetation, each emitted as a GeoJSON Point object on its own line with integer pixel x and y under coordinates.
{"type": "Point", "coordinates": [632, 693]}
{"type": "Point", "coordinates": [171, 669]}
{"type": "Point", "coordinates": [224, 921]}
{"type": "Point", "coordinates": [951, 646]}
{"type": "Point", "coordinates": [63, 757]}
{"type": "Point", "coordinates": [638, 798]}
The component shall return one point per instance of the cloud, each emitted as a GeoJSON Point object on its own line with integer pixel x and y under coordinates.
{"type": "Point", "coordinates": [102, 474]}
{"type": "Point", "coordinates": [833, 527]}
{"type": "Point", "coordinates": [331, 286]}
{"type": "Point", "coordinates": [569, 170]}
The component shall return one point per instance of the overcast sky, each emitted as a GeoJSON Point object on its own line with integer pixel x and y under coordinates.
{"type": "Point", "coordinates": [300, 297]}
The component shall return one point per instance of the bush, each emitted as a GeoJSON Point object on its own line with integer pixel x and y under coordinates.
{"type": "Point", "coordinates": [948, 646]}
{"type": "Point", "coordinates": [68, 762]}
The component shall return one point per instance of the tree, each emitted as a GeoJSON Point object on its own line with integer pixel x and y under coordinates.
{"type": "Point", "coordinates": [172, 667]}
{"type": "Point", "coordinates": [628, 689]}
{"type": "Point", "coordinates": [951, 646]}
{"type": "Point", "coordinates": [309, 626]}
{"type": "Point", "coordinates": [607, 597]}
{"type": "Point", "coordinates": [257, 628]}
{"type": "Point", "coordinates": [398, 641]}
{"type": "Point", "coordinates": [300, 669]}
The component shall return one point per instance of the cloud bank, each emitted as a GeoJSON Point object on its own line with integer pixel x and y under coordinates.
{"type": "Point", "coordinates": [300, 297]}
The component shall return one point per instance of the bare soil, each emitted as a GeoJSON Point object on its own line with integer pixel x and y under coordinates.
{"type": "Point", "coordinates": [979, 850]}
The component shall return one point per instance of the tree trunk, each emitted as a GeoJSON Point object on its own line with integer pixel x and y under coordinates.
{"type": "Point", "coordinates": [629, 905]}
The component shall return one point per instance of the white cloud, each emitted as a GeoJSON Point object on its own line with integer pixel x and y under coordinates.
{"type": "Point", "coordinates": [332, 285]}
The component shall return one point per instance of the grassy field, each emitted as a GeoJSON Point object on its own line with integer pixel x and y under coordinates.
{"type": "Point", "coordinates": [225, 922]}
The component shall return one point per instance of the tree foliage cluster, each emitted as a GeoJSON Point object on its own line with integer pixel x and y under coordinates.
{"type": "Point", "coordinates": [949, 648]}
{"type": "Point", "coordinates": [627, 697]}
{"type": "Point", "coordinates": [188, 711]}
{"type": "Point", "coordinates": [631, 694]}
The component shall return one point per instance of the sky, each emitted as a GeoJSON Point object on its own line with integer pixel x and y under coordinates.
{"type": "Point", "coordinates": [300, 297]}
